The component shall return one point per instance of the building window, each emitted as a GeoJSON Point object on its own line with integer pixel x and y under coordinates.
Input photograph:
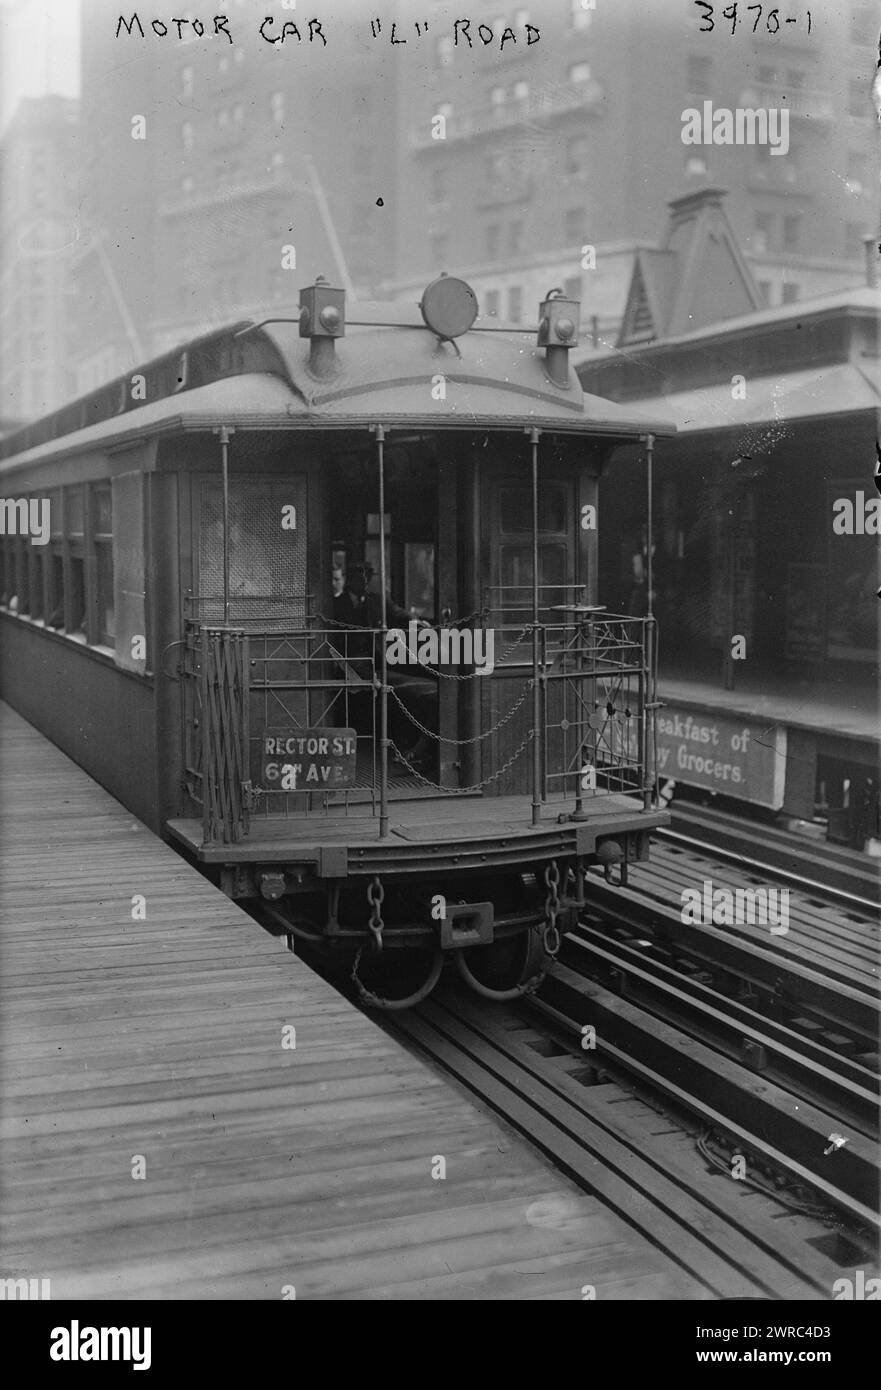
{"type": "Point", "coordinates": [521, 91]}
{"type": "Point", "coordinates": [515, 236]}
{"type": "Point", "coordinates": [493, 240]}
{"type": "Point", "coordinates": [572, 287]}
{"type": "Point", "coordinates": [492, 303]}
{"type": "Point", "coordinates": [497, 96]}
{"type": "Point", "coordinates": [515, 303]}
{"type": "Point", "coordinates": [276, 102]}
{"type": "Point", "coordinates": [186, 81]}
{"type": "Point", "coordinates": [763, 230]}
{"type": "Point", "coordinates": [768, 77]}
{"type": "Point", "coordinates": [791, 230]}
{"type": "Point", "coordinates": [764, 289]}
{"type": "Point", "coordinates": [581, 13]}
{"type": "Point", "coordinates": [277, 159]}
{"type": "Point", "coordinates": [444, 50]}
{"type": "Point", "coordinates": [104, 616]}
{"type": "Point", "coordinates": [238, 113]}
{"type": "Point", "coordinates": [186, 137]}
{"type": "Point", "coordinates": [795, 78]}
{"type": "Point", "coordinates": [698, 74]}
{"type": "Point", "coordinates": [579, 72]}
{"type": "Point", "coordinates": [186, 184]}
{"type": "Point", "coordinates": [790, 293]}
{"type": "Point", "coordinates": [439, 184]}
{"type": "Point", "coordinates": [223, 118]}
{"type": "Point", "coordinates": [695, 166]}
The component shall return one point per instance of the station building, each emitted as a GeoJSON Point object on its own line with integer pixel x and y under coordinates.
{"type": "Point", "coordinates": [765, 520]}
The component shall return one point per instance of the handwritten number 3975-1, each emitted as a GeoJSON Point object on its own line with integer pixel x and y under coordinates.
{"type": "Point", "coordinates": [772, 21]}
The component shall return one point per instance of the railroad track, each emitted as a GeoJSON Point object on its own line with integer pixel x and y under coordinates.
{"type": "Point", "coordinates": [834, 872]}
{"type": "Point", "coordinates": [733, 1086]}
{"type": "Point", "coordinates": [638, 1147]}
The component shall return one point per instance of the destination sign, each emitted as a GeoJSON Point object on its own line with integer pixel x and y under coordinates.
{"type": "Point", "coordinates": [308, 760]}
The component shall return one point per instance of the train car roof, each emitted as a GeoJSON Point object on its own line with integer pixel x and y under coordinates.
{"type": "Point", "coordinates": [258, 376]}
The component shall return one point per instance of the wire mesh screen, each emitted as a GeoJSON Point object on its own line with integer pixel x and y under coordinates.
{"type": "Point", "coordinates": [267, 552]}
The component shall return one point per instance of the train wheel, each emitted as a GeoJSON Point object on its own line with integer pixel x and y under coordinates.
{"type": "Point", "coordinates": [507, 969]}
{"type": "Point", "coordinates": [414, 972]}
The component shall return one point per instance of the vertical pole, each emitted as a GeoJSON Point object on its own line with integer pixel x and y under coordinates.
{"type": "Point", "coordinates": [207, 776]}
{"type": "Point", "coordinates": [383, 665]}
{"type": "Point", "coordinates": [225, 435]}
{"type": "Point", "coordinates": [649, 769]}
{"type": "Point", "coordinates": [534, 435]}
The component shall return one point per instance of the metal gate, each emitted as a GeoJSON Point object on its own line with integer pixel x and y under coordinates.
{"type": "Point", "coordinates": [217, 732]}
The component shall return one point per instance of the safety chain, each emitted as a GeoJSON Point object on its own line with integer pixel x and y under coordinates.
{"type": "Point", "coordinates": [461, 742]}
{"type": "Point", "coordinates": [423, 665]}
{"type": "Point", "coordinates": [358, 627]}
{"type": "Point", "coordinates": [551, 936]}
{"type": "Point", "coordinates": [477, 675]}
{"type": "Point", "coordinates": [461, 791]}
{"type": "Point", "coordinates": [375, 896]}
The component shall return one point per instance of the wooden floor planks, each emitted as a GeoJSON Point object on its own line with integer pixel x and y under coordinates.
{"type": "Point", "coordinates": [265, 1167]}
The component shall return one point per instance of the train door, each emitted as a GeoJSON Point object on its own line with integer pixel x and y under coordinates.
{"type": "Point", "coordinates": [267, 602]}
{"type": "Point", "coordinates": [508, 566]}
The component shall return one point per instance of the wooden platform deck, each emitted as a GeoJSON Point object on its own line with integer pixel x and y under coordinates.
{"type": "Point", "coordinates": [159, 1142]}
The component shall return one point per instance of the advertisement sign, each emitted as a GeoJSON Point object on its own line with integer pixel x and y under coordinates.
{"type": "Point", "coordinates": [725, 755]}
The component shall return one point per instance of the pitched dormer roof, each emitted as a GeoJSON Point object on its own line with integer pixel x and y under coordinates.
{"type": "Point", "coordinates": [697, 277]}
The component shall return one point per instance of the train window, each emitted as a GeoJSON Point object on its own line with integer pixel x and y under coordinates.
{"type": "Point", "coordinates": [22, 580]}
{"type": "Point", "coordinates": [75, 573]}
{"type": "Point", "coordinates": [516, 510]}
{"type": "Point", "coordinates": [55, 607]}
{"type": "Point", "coordinates": [267, 550]}
{"type": "Point", "coordinates": [55, 562]}
{"type": "Point", "coordinates": [516, 573]}
{"type": "Point", "coordinates": [129, 596]}
{"type": "Point", "coordinates": [76, 605]}
{"type": "Point", "coordinates": [73, 511]}
{"type": "Point", "coordinates": [35, 579]}
{"type": "Point", "coordinates": [102, 540]}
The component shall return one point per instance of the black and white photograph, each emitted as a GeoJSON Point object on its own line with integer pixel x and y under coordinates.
{"type": "Point", "coordinates": [440, 802]}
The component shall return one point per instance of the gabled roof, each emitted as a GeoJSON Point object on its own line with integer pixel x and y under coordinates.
{"type": "Point", "coordinates": [697, 277]}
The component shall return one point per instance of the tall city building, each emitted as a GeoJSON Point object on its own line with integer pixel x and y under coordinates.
{"type": "Point", "coordinates": [222, 171]}
{"type": "Point", "coordinates": [258, 165]}
{"type": "Point", "coordinates": [38, 230]}
{"type": "Point", "coordinates": [575, 140]}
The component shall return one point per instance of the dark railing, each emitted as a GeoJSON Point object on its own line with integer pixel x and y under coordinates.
{"type": "Point", "coordinates": [592, 737]}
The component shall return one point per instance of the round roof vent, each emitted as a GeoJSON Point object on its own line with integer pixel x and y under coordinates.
{"type": "Point", "coordinates": [449, 306]}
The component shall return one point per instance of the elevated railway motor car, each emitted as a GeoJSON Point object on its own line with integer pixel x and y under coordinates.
{"type": "Point", "coordinates": [318, 604]}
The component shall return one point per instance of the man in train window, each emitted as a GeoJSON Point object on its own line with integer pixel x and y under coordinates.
{"type": "Point", "coordinates": [416, 691]}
